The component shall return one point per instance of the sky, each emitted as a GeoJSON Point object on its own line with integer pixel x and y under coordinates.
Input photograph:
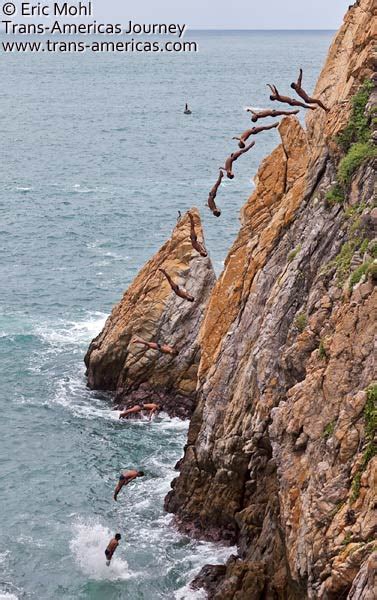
{"type": "Point", "coordinates": [228, 14]}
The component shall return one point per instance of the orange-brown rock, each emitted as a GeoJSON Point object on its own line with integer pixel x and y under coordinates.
{"type": "Point", "coordinates": [352, 59]}
{"type": "Point", "coordinates": [150, 310]}
{"type": "Point", "coordinates": [280, 187]}
{"type": "Point", "coordinates": [279, 456]}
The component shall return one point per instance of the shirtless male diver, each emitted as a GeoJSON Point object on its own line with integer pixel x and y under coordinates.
{"type": "Point", "coordinates": [232, 158]}
{"type": "Point", "coordinates": [275, 96]}
{"type": "Point", "coordinates": [297, 86]}
{"type": "Point", "coordinates": [176, 289]}
{"type": "Point", "coordinates": [212, 196]}
{"type": "Point", "coordinates": [253, 131]}
{"type": "Point", "coordinates": [112, 546]}
{"type": "Point", "coordinates": [270, 112]}
{"type": "Point", "coordinates": [163, 348]}
{"type": "Point", "coordinates": [152, 407]}
{"type": "Point", "coordinates": [139, 408]}
{"type": "Point", "coordinates": [125, 478]}
{"type": "Point", "coordinates": [198, 246]}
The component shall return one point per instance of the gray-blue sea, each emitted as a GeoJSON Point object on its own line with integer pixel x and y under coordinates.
{"type": "Point", "coordinates": [96, 158]}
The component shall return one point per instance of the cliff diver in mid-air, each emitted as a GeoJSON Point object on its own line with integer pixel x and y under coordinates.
{"type": "Point", "coordinates": [112, 546]}
{"type": "Point", "coordinates": [139, 408]}
{"type": "Point", "coordinates": [269, 112]}
{"type": "Point", "coordinates": [232, 158]}
{"type": "Point", "coordinates": [194, 239]}
{"type": "Point", "coordinates": [176, 289]}
{"type": "Point", "coordinates": [300, 92]}
{"type": "Point", "coordinates": [125, 478]}
{"type": "Point", "coordinates": [187, 111]}
{"type": "Point", "coordinates": [163, 348]}
{"type": "Point", "coordinates": [275, 96]}
{"type": "Point", "coordinates": [212, 196]}
{"type": "Point", "coordinates": [253, 131]}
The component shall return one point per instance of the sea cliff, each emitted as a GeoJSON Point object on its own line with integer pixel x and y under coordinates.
{"type": "Point", "coordinates": [150, 310]}
{"type": "Point", "coordinates": [280, 454]}
{"type": "Point", "coordinates": [276, 357]}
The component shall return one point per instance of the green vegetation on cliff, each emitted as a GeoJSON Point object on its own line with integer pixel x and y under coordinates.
{"type": "Point", "coordinates": [301, 321]}
{"type": "Point", "coordinates": [357, 130]}
{"type": "Point", "coordinates": [292, 255]}
{"type": "Point", "coordinates": [355, 157]}
{"type": "Point", "coordinates": [359, 273]}
{"type": "Point", "coordinates": [335, 195]}
{"type": "Point", "coordinates": [354, 141]}
{"type": "Point", "coordinates": [370, 416]}
{"type": "Point", "coordinates": [329, 430]}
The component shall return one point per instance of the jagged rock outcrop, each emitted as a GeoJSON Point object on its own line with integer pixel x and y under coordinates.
{"type": "Point", "coordinates": [351, 59]}
{"type": "Point", "coordinates": [279, 456]}
{"type": "Point", "coordinates": [150, 309]}
{"type": "Point", "coordinates": [364, 585]}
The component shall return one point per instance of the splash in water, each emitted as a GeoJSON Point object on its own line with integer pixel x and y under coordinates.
{"type": "Point", "coordinates": [88, 547]}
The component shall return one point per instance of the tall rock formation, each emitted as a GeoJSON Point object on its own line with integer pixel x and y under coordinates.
{"type": "Point", "coordinates": [280, 453]}
{"type": "Point", "coordinates": [149, 309]}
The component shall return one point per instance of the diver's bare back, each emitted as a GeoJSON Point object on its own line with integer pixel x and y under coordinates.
{"type": "Point", "coordinates": [276, 96]}
{"type": "Point", "coordinates": [270, 112]}
{"type": "Point", "coordinates": [163, 348]}
{"type": "Point", "coordinates": [232, 159]}
{"type": "Point", "coordinates": [253, 131]}
{"type": "Point", "coordinates": [198, 246]}
{"type": "Point", "coordinates": [134, 410]}
{"type": "Point", "coordinates": [181, 293]}
{"type": "Point", "coordinates": [176, 289]}
{"type": "Point", "coordinates": [301, 92]}
{"type": "Point", "coordinates": [212, 196]}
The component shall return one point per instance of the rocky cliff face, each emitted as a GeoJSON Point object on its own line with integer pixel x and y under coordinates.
{"type": "Point", "coordinates": [280, 453]}
{"type": "Point", "coordinates": [149, 309]}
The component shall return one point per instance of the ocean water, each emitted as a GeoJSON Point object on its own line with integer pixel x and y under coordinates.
{"type": "Point", "coordinates": [96, 158]}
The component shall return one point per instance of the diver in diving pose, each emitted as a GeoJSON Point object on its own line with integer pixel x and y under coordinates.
{"type": "Point", "coordinates": [176, 289]}
{"type": "Point", "coordinates": [212, 196]}
{"type": "Point", "coordinates": [253, 131]}
{"type": "Point", "coordinates": [300, 92]}
{"type": "Point", "coordinates": [232, 158]}
{"type": "Point", "coordinates": [152, 407]}
{"type": "Point", "coordinates": [163, 348]}
{"type": "Point", "coordinates": [112, 546]}
{"type": "Point", "coordinates": [275, 96]}
{"type": "Point", "coordinates": [194, 239]}
{"type": "Point", "coordinates": [262, 114]}
{"type": "Point", "coordinates": [131, 411]}
{"type": "Point", "coordinates": [138, 408]}
{"type": "Point", "coordinates": [125, 478]}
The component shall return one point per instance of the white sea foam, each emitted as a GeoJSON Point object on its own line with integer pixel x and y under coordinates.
{"type": "Point", "coordinates": [4, 556]}
{"type": "Point", "coordinates": [167, 424]}
{"type": "Point", "coordinates": [28, 540]}
{"type": "Point", "coordinates": [91, 411]}
{"type": "Point", "coordinates": [83, 189]}
{"type": "Point", "coordinates": [186, 593]}
{"type": "Point", "coordinates": [72, 393]}
{"type": "Point", "coordinates": [206, 552]}
{"type": "Point", "coordinates": [97, 247]}
{"type": "Point", "coordinates": [72, 332]}
{"type": "Point", "coordinates": [90, 539]}
{"type": "Point", "coordinates": [6, 596]}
